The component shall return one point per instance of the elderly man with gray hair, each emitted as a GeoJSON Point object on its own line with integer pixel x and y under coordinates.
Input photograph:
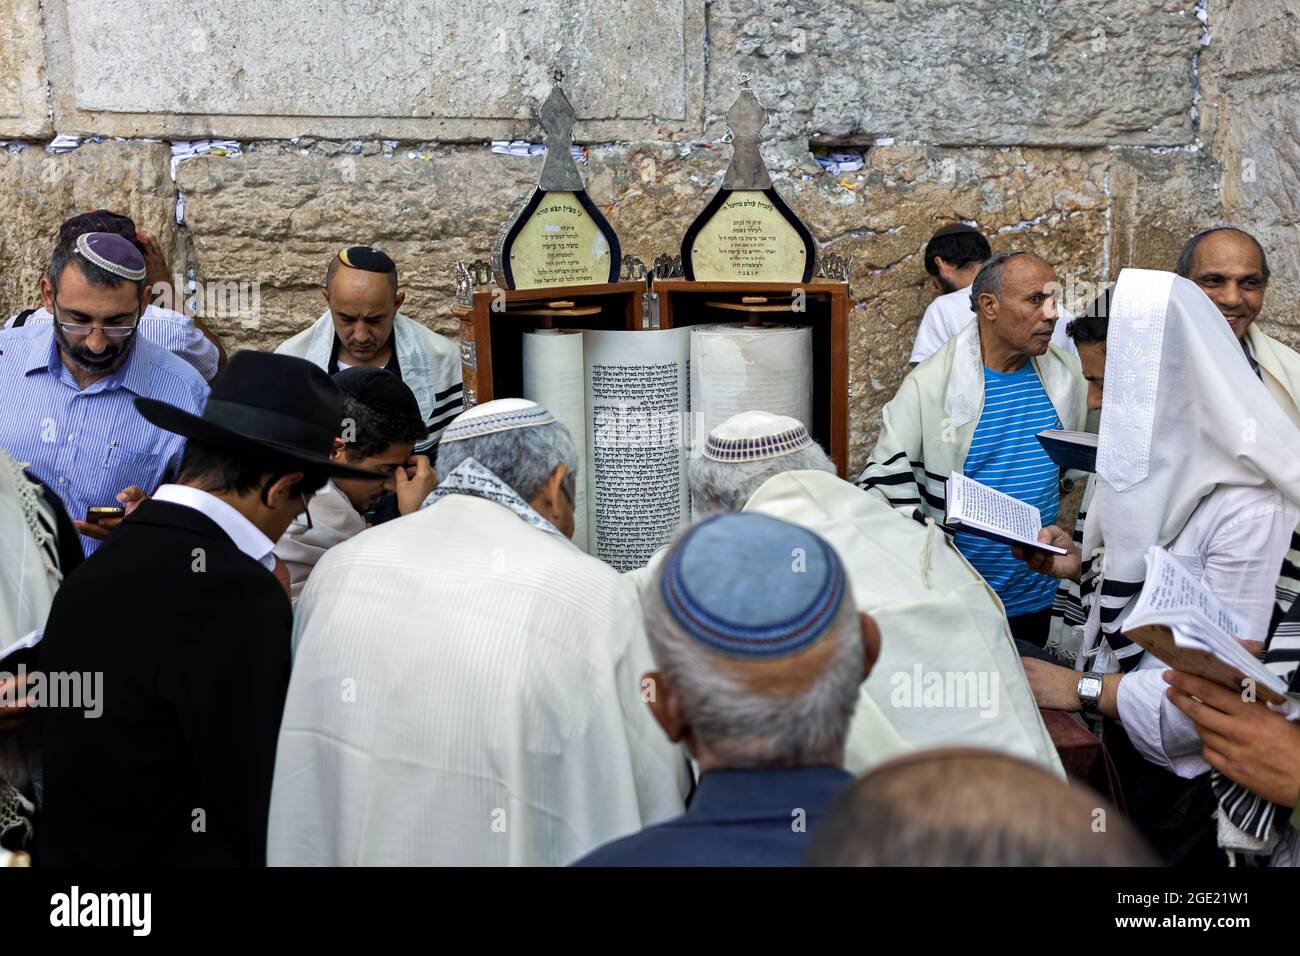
{"type": "Point", "coordinates": [467, 683]}
{"type": "Point", "coordinates": [948, 671]}
{"type": "Point", "coordinates": [760, 651]}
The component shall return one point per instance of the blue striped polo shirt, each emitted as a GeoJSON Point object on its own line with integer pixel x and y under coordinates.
{"type": "Point", "coordinates": [1005, 455]}
{"type": "Point", "coordinates": [88, 444]}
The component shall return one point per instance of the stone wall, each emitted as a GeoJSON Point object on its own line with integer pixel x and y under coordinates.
{"type": "Point", "coordinates": [1098, 133]}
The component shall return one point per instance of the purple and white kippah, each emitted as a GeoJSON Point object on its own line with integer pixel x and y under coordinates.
{"type": "Point", "coordinates": [113, 253]}
{"type": "Point", "coordinates": [497, 416]}
{"type": "Point", "coordinates": [751, 586]}
{"type": "Point", "coordinates": [755, 436]}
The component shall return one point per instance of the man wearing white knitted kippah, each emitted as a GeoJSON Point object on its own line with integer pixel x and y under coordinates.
{"type": "Point", "coordinates": [467, 682]}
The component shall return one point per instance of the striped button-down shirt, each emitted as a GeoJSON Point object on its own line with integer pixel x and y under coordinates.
{"type": "Point", "coordinates": [174, 331]}
{"type": "Point", "coordinates": [88, 444]}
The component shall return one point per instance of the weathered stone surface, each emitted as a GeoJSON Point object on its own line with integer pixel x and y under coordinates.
{"type": "Point", "coordinates": [1065, 128]}
{"type": "Point", "coordinates": [1089, 72]}
{"type": "Point", "coordinates": [1159, 201]}
{"type": "Point", "coordinates": [23, 107]}
{"type": "Point", "coordinates": [412, 69]}
{"type": "Point", "coordinates": [1256, 65]}
{"type": "Point", "coordinates": [277, 216]}
{"type": "Point", "coordinates": [1050, 202]}
{"type": "Point", "coordinates": [39, 191]}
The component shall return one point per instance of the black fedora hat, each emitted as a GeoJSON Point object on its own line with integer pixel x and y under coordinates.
{"type": "Point", "coordinates": [265, 403]}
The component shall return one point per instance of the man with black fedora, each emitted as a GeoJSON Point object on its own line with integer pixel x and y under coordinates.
{"type": "Point", "coordinates": [181, 613]}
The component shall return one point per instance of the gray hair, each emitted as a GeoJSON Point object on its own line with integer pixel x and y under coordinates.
{"type": "Point", "coordinates": [521, 457]}
{"type": "Point", "coordinates": [1188, 252]}
{"type": "Point", "coordinates": [989, 278]}
{"type": "Point", "coordinates": [745, 728]}
{"type": "Point", "coordinates": [727, 486]}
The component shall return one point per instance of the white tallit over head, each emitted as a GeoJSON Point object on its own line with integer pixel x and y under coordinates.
{"type": "Point", "coordinates": [1182, 413]}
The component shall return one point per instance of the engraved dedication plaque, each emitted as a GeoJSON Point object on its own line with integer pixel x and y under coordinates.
{"type": "Point", "coordinates": [747, 233]}
{"type": "Point", "coordinates": [561, 243]}
{"type": "Point", "coordinates": [558, 237]}
{"type": "Point", "coordinates": [749, 239]}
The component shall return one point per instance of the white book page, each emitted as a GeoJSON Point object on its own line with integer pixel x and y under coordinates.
{"type": "Point", "coordinates": [970, 502]}
{"type": "Point", "coordinates": [1172, 596]}
{"type": "Point", "coordinates": [1170, 590]}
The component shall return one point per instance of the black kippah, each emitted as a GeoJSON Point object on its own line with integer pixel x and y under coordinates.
{"type": "Point", "coordinates": [381, 390]}
{"type": "Point", "coordinates": [368, 259]}
{"type": "Point", "coordinates": [954, 229]}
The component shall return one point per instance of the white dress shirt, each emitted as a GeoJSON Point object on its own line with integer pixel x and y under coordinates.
{"type": "Point", "coordinates": [240, 530]}
{"type": "Point", "coordinates": [1234, 543]}
{"type": "Point", "coordinates": [950, 313]}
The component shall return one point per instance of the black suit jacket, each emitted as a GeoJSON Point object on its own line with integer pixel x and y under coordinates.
{"type": "Point", "coordinates": [192, 638]}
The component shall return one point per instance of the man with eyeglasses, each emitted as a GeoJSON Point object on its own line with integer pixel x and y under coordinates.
{"type": "Point", "coordinates": [66, 388]}
{"type": "Point", "coordinates": [183, 335]}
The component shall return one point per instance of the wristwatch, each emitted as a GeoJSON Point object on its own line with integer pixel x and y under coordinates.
{"type": "Point", "coordinates": [1089, 691]}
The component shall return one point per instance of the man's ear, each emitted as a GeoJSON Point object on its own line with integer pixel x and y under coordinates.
{"type": "Point", "coordinates": [281, 489]}
{"type": "Point", "coordinates": [47, 294]}
{"type": "Point", "coordinates": [665, 705]}
{"type": "Point", "coordinates": [988, 305]}
{"type": "Point", "coordinates": [339, 450]}
{"type": "Point", "coordinates": [398, 300]}
{"type": "Point", "coordinates": [870, 642]}
{"type": "Point", "coordinates": [547, 500]}
{"type": "Point", "coordinates": [325, 294]}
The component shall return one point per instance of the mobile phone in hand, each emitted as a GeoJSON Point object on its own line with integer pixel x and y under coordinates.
{"type": "Point", "coordinates": [98, 513]}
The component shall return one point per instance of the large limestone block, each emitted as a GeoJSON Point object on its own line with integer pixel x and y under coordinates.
{"type": "Point", "coordinates": [23, 107]}
{"type": "Point", "coordinates": [1087, 72]}
{"type": "Point", "coordinates": [407, 69]}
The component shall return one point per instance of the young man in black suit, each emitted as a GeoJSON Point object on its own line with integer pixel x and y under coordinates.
{"type": "Point", "coordinates": [183, 613]}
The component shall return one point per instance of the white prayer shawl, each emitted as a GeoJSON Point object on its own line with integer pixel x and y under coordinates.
{"type": "Point", "coordinates": [430, 365]}
{"type": "Point", "coordinates": [926, 428]}
{"type": "Point", "coordinates": [1279, 369]}
{"type": "Point", "coordinates": [333, 521]}
{"type": "Point", "coordinates": [941, 625]}
{"type": "Point", "coordinates": [29, 570]}
{"type": "Point", "coordinates": [1180, 416]}
{"type": "Point", "coordinates": [466, 691]}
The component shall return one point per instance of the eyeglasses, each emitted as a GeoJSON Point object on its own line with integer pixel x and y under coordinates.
{"type": "Point", "coordinates": [306, 513]}
{"type": "Point", "coordinates": [83, 328]}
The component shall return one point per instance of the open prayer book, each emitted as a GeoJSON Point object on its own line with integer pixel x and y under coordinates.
{"type": "Point", "coordinates": [980, 510]}
{"type": "Point", "coordinates": [1075, 451]}
{"type": "Point", "coordinates": [1177, 619]}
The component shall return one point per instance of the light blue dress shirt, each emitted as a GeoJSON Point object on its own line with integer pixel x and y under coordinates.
{"type": "Point", "coordinates": [88, 444]}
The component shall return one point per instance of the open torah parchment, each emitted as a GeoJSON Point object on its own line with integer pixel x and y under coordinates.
{"type": "Point", "coordinates": [624, 398]}
{"type": "Point", "coordinates": [980, 510]}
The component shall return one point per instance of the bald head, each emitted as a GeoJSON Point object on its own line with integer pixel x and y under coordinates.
{"type": "Point", "coordinates": [1230, 267]}
{"type": "Point", "coordinates": [968, 807]}
{"type": "Point", "coordinates": [363, 304]}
